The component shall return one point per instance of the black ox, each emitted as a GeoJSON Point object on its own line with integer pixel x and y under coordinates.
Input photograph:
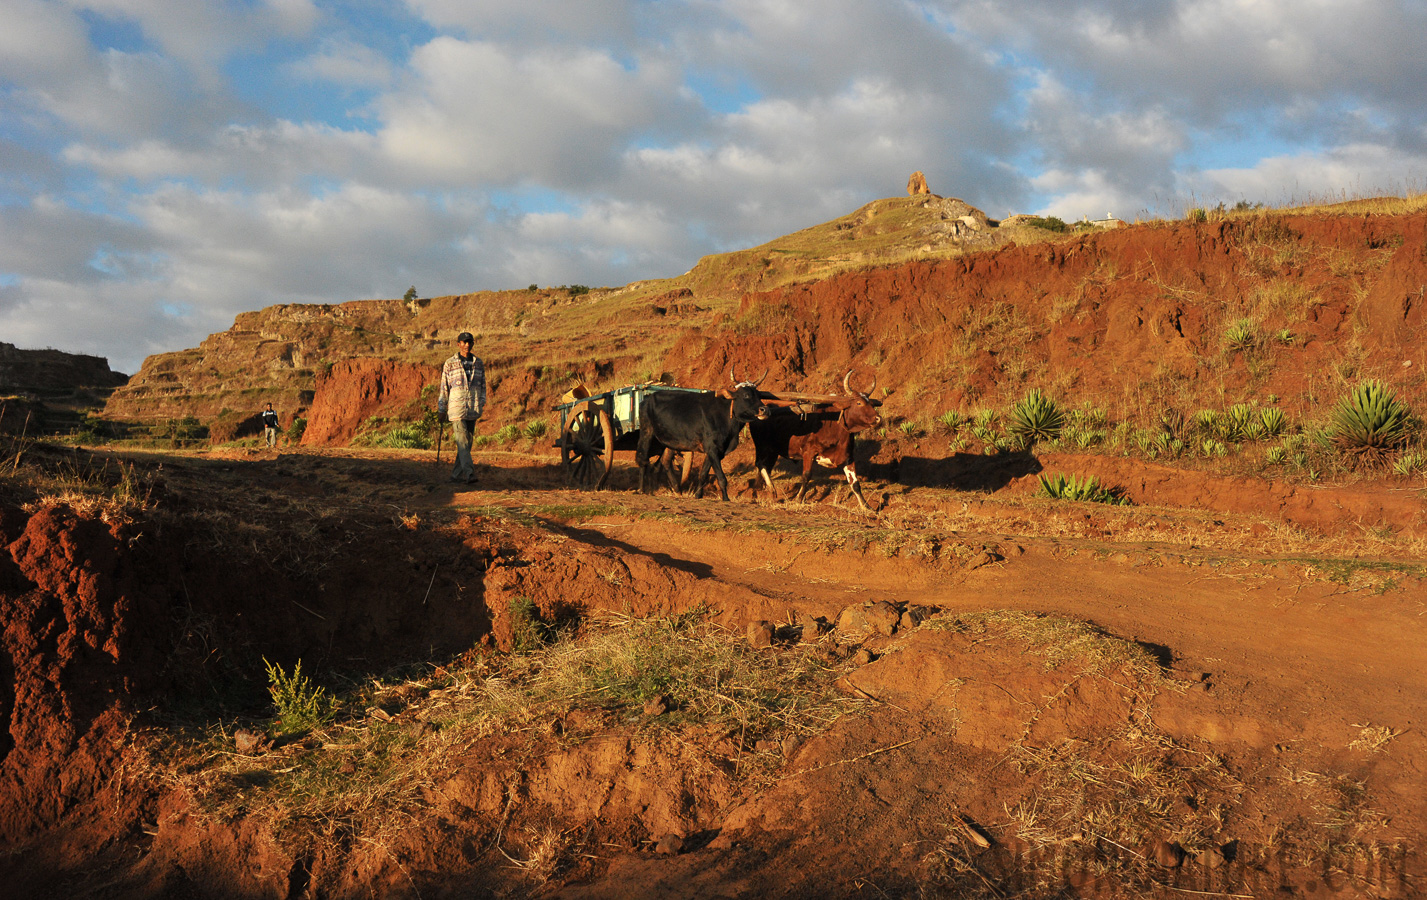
{"type": "Point", "coordinates": [708, 422]}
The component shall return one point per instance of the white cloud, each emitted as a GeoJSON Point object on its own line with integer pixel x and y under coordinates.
{"type": "Point", "coordinates": [1347, 172]}
{"type": "Point", "coordinates": [598, 22]}
{"type": "Point", "coordinates": [482, 111]}
{"type": "Point", "coordinates": [346, 63]}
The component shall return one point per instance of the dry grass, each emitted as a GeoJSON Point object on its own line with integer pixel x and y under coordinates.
{"type": "Point", "coordinates": [1057, 641]}
{"type": "Point", "coordinates": [364, 775]}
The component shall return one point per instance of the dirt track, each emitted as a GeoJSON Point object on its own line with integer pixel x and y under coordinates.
{"type": "Point", "coordinates": [1276, 648]}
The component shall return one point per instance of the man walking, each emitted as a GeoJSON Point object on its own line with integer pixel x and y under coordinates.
{"type": "Point", "coordinates": [270, 426]}
{"type": "Point", "coordinates": [462, 400]}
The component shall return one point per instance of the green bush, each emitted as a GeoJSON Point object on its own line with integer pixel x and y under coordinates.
{"type": "Point", "coordinates": [1087, 489]}
{"type": "Point", "coordinates": [1409, 464]}
{"type": "Point", "coordinates": [300, 705]}
{"type": "Point", "coordinates": [508, 434]}
{"type": "Point", "coordinates": [296, 430]}
{"type": "Point", "coordinates": [1241, 423]}
{"type": "Point", "coordinates": [1035, 418]}
{"type": "Point", "coordinates": [1243, 336]}
{"type": "Point", "coordinates": [951, 420]}
{"type": "Point", "coordinates": [411, 436]}
{"type": "Point", "coordinates": [528, 630]}
{"type": "Point", "coordinates": [1369, 424]}
{"type": "Point", "coordinates": [1273, 421]}
{"type": "Point", "coordinates": [535, 429]}
{"type": "Point", "coordinates": [1047, 223]}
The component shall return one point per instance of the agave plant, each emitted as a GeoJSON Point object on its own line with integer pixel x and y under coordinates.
{"type": "Point", "coordinates": [1087, 489]}
{"type": "Point", "coordinates": [1239, 422]}
{"type": "Point", "coordinates": [1274, 422]}
{"type": "Point", "coordinates": [951, 420]}
{"type": "Point", "coordinates": [1242, 336]}
{"type": "Point", "coordinates": [1035, 418]}
{"type": "Point", "coordinates": [1369, 424]}
{"type": "Point", "coordinates": [1409, 463]}
{"type": "Point", "coordinates": [1209, 422]}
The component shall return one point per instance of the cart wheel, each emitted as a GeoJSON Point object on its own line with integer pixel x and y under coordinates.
{"type": "Point", "coordinates": [582, 452]}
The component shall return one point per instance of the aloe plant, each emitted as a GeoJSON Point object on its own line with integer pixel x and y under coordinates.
{"type": "Point", "coordinates": [1274, 422]}
{"type": "Point", "coordinates": [1035, 418]}
{"type": "Point", "coordinates": [1369, 423]}
{"type": "Point", "coordinates": [1087, 489]}
{"type": "Point", "coordinates": [1242, 336]}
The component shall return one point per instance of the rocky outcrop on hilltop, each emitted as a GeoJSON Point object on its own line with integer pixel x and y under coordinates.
{"type": "Point", "coordinates": [51, 373]}
{"type": "Point", "coordinates": [50, 390]}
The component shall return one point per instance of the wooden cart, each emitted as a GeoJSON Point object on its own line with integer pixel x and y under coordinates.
{"type": "Point", "coordinates": [592, 427]}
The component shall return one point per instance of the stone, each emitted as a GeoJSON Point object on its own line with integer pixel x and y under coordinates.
{"type": "Point", "coordinates": [912, 618]}
{"type": "Point", "coordinates": [883, 617]}
{"type": "Point", "coordinates": [862, 657]}
{"type": "Point", "coordinates": [671, 844]}
{"type": "Point", "coordinates": [657, 705]}
{"type": "Point", "coordinates": [760, 634]}
{"type": "Point", "coordinates": [250, 743]}
{"type": "Point", "coordinates": [1165, 854]}
{"type": "Point", "coordinates": [853, 620]}
{"type": "Point", "coordinates": [917, 184]}
{"type": "Point", "coordinates": [813, 629]}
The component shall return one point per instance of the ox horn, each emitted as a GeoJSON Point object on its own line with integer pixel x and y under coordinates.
{"type": "Point", "coordinates": [733, 373]}
{"type": "Point", "coordinates": [849, 389]}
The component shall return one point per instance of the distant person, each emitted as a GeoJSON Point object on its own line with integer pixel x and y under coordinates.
{"type": "Point", "coordinates": [270, 426]}
{"type": "Point", "coordinates": [462, 400]}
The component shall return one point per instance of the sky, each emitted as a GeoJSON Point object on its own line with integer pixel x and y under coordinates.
{"type": "Point", "coordinates": [168, 164]}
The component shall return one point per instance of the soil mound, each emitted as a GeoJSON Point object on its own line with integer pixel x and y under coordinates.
{"type": "Point", "coordinates": [357, 389]}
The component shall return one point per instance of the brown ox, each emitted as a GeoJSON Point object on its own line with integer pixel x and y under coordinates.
{"type": "Point", "coordinates": [822, 438]}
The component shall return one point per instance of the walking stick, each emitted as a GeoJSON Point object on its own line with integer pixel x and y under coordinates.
{"type": "Point", "coordinates": [440, 430]}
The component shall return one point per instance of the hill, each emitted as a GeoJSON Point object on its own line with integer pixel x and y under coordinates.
{"type": "Point", "coordinates": [49, 390]}
{"type": "Point", "coordinates": [228, 671]}
{"type": "Point", "coordinates": [1266, 308]}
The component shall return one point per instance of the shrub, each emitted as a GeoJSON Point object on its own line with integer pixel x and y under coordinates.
{"type": "Point", "coordinates": [508, 434]}
{"type": "Point", "coordinates": [1197, 214]}
{"type": "Point", "coordinates": [296, 430]}
{"type": "Point", "coordinates": [535, 429]}
{"type": "Point", "coordinates": [1409, 463]}
{"type": "Point", "coordinates": [1369, 424]}
{"type": "Point", "coordinates": [1242, 336]}
{"type": "Point", "coordinates": [528, 630]}
{"type": "Point", "coordinates": [1273, 421]}
{"type": "Point", "coordinates": [1240, 423]}
{"type": "Point", "coordinates": [301, 706]}
{"type": "Point", "coordinates": [951, 420]}
{"type": "Point", "coordinates": [411, 436]}
{"type": "Point", "coordinates": [1035, 418]}
{"type": "Point", "coordinates": [1087, 489]}
{"type": "Point", "coordinates": [1048, 223]}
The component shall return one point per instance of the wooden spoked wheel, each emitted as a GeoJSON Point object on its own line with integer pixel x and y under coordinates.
{"type": "Point", "coordinates": [584, 449]}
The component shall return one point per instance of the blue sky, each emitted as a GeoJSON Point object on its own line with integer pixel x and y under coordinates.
{"type": "Point", "coordinates": [165, 165]}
